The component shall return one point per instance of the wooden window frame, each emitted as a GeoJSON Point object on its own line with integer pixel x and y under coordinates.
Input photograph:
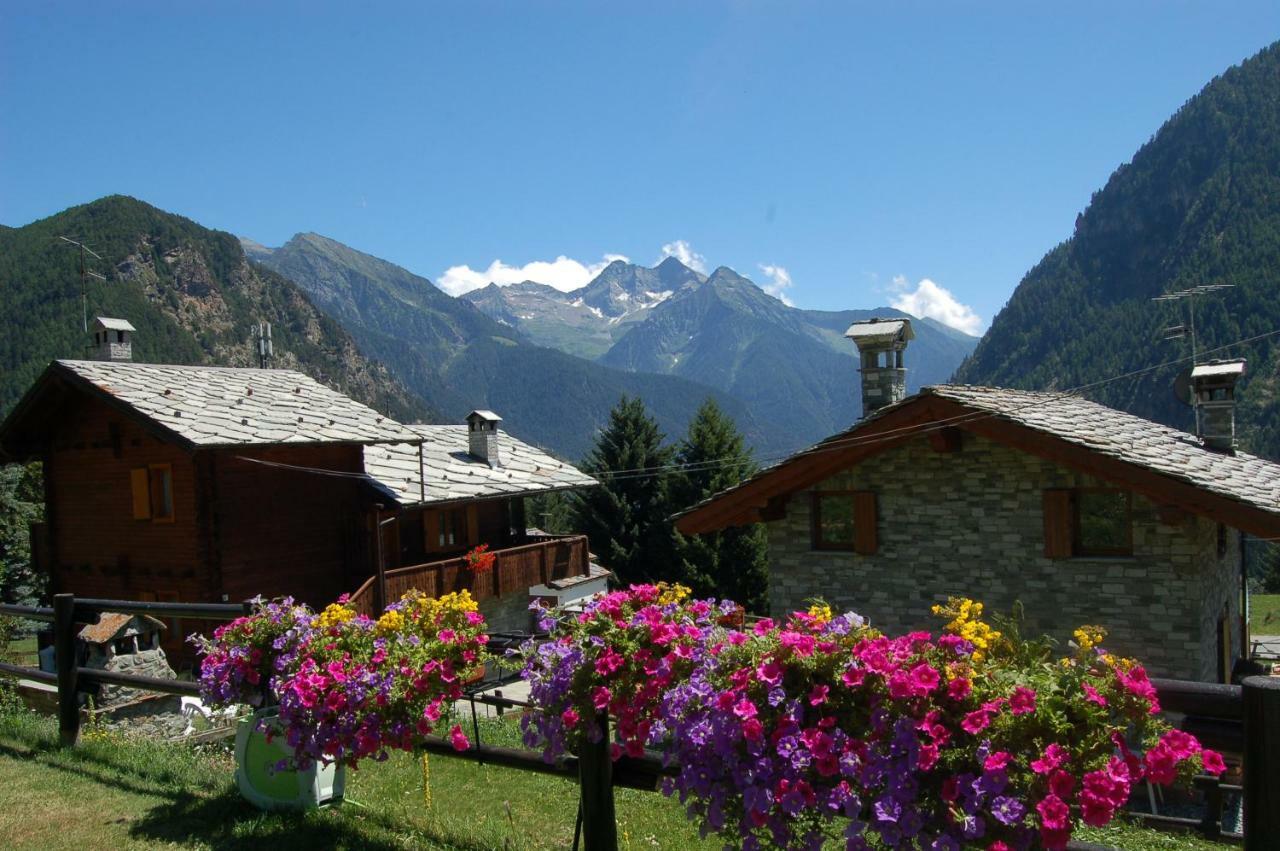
{"type": "Point", "coordinates": [166, 471]}
{"type": "Point", "coordinates": [816, 541]}
{"type": "Point", "coordinates": [1078, 549]}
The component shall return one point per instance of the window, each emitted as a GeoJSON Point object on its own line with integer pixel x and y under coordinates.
{"type": "Point", "coordinates": [1103, 524]}
{"type": "Point", "coordinates": [833, 520]}
{"type": "Point", "coordinates": [152, 493]}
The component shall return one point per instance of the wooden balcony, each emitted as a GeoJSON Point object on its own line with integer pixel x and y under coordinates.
{"type": "Point", "coordinates": [543, 559]}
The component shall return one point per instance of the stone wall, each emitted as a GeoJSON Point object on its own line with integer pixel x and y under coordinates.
{"type": "Point", "coordinates": [970, 523]}
{"type": "Point", "coordinates": [508, 613]}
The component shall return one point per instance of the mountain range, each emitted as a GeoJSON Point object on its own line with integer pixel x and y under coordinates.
{"type": "Point", "coordinates": [1198, 204]}
{"type": "Point", "coordinates": [668, 334]}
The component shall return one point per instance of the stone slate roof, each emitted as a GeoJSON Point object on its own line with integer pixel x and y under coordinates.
{"type": "Point", "coordinates": [1247, 479]}
{"type": "Point", "coordinates": [452, 474]}
{"type": "Point", "coordinates": [1122, 436]}
{"type": "Point", "coordinates": [113, 625]}
{"type": "Point", "coordinates": [113, 324]}
{"type": "Point", "coordinates": [210, 406]}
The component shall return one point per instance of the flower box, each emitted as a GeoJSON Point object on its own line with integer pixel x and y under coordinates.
{"type": "Point", "coordinates": [267, 787]}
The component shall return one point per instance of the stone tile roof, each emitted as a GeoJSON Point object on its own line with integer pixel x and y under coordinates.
{"type": "Point", "coordinates": [113, 625]}
{"type": "Point", "coordinates": [1122, 436]}
{"type": "Point", "coordinates": [452, 474]}
{"type": "Point", "coordinates": [223, 406]}
{"type": "Point", "coordinates": [1247, 479]}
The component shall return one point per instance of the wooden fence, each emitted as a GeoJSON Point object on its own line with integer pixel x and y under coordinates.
{"type": "Point", "coordinates": [1239, 719]}
{"type": "Point", "coordinates": [515, 570]}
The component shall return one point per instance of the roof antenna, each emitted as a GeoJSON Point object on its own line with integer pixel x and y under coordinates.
{"type": "Point", "coordinates": [266, 351]}
{"type": "Point", "coordinates": [1177, 332]}
{"type": "Point", "coordinates": [85, 275]}
{"type": "Point", "coordinates": [1185, 385]}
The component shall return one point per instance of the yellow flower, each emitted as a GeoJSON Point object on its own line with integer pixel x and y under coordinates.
{"type": "Point", "coordinates": [821, 613]}
{"type": "Point", "coordinates": [966, 622]}
{"type": "Point", "coordinates": [390, 622]}
{"type": "Point", "coordinates": [673, 593]}
{"type": "Point", "coordinates": [1088, 637]}
{"type": "Point", "coordinates": [333, 615]}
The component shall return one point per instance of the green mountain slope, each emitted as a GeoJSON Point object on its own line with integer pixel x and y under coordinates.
{"type": "Point", "coordinates": [190, 291]}
{"type": "Point", "coordinates": [459, 359]}
{"type": "Point", "coordinates": [1199, 203]}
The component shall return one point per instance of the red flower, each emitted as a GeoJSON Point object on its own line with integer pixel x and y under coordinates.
{"type": "Point", "coordinates": [1023, 701]}
{"type": "Point", "coordinates": [1212, 762]}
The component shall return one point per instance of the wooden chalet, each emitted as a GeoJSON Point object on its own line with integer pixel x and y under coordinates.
{"type": "Point", "coordinates": [207, 484]}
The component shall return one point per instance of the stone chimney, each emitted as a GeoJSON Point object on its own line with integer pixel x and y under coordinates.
{"type": "Point", "coordinates": [482, 437]}
{"type": "Point", "coordinates": [112, 339]}
{"type": "Point", "coordinates": [1213, 392]}
{"type": "Point", "coordinates": [881, 343]}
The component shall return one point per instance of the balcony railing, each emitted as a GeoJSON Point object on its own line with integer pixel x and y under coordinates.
{"type": "Point", "coordinates": [545, 558]}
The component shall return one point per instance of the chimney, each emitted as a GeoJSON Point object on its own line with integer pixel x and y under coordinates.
{"type": "Point", "coordinates": [112, 339]}
{"type": "Point", "coordinates": [881, 343]}
{"type": "Point", "coordinates": [482, 437]}
{"type": "Point", "coordinates": [1213, 388]}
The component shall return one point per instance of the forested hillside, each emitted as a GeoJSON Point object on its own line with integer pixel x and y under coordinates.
{"type": "Point", "coordinates": [1199, 204]}
{"type": "Point", "coordinates": [189, 291]}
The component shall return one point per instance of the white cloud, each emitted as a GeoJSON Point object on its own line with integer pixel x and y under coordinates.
{"type": "Point", "coordinates": [684, 252]}
{"type": "Point", "coordinates": [929, 299]}
{"type": "Point", "coordinates": [563, 273]}
{"type": "Point", "coordinates": [779, 282]}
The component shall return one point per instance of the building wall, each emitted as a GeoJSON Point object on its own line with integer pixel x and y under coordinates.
{"type": "Point", "coordinates": [97, 548]}
{"type": "Point", "coordinates": [970, 523]}
{"type": "Point", "coordinates": [508, 613]}
{"type": "Point", "coordinates": [290, 532]}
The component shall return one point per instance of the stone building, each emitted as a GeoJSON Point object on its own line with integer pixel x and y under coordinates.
{"type": "Point", "coordinates": [1079, 513]}
{"type": "Point", "coordinates": [125, 644]}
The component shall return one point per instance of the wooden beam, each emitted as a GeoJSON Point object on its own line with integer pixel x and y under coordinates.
{"type": "Point", "coordinates": [946, 439]}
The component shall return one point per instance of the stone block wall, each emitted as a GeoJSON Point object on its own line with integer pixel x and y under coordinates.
{"type": "Point", "coordinates": [508, 613]}
{"type": "Point", "coordinates": [970, 523]}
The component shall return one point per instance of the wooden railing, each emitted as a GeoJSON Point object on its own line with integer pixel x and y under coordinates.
{"type": "Point", "coordinates": [545, 559]}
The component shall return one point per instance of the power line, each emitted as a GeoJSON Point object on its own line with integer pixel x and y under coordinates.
{"type": "Point", "coordinates": [837, 444]}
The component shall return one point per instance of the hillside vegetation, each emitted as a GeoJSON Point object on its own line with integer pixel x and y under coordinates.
{"type": "Point", "coordinates": [190, 292]}
{"type": "Point", "coordinates": [1199, 204]}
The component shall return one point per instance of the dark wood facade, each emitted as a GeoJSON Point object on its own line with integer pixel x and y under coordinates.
{"type": "Point", "coordinates": [234, 528]}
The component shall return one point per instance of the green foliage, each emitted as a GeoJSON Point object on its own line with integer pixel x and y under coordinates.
{"type": "Point", "coordinates": [188, 290]}
{"type": "Point", "coordinates": [731, 563]}
{"type": "Point", "coordinates": [1195, 206]}
{"type": "Point", "coordinates": [21, 504]}
{"type": "Point", "coordinates": [550, 512]}
{"type": "Point", "coordinates": [1271, 570]}
{"type": "Point", "coordinates": [626, 517]}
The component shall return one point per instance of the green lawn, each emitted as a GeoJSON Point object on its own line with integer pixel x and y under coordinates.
{"type": "Point", "coordinates": [22, 651]}
{"type": "Point", "coordinates": [109, 792]}
{"type": "Point", "coordinates": [1264, 614]}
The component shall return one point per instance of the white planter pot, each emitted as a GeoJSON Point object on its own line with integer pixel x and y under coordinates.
{"type": "Point", "coordinates": [268, 789]}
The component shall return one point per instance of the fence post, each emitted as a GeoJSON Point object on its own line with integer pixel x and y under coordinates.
{"type": "Point", "coordinates": [595, 777]}
{"type": "Point", "coordinates": [1261, 762]}
{"type": "Point", "coordinates": [64, 650]}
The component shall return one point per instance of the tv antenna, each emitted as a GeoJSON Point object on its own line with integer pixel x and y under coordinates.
{"type": "Point", "coordinates": [85, 275]}
{"type": "Point", "coordinates": [1189, 295]}
{"type": "Point", "coordinates": [266, 351]}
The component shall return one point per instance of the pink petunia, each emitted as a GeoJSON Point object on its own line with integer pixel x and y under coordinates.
{"type": "Point", "coordinates": [600, 697]}
{"type": "Point", "coordinates": [959, 688]}
{"type": "Point", "coordinates": [1212, 762]}
{"type": "Point", "coordinates": [997, 761]}
{"type": "Point", "coordinates": [1092, 695]}
{"type": "Point", "coordinates": [570, 717]}
{"type": "Point", "coordinates": [1054, 756]}
{"type": "Point", "coordinates": [818, 695]}
{"type": "Point", "coordinates": [1054, 813]}
{"type": "Point", "coordinates": [459, 739]}
{"type": "Point", "coordinates": [975, 722]}
{"type": "Point", "coordinates": [1022, 701]}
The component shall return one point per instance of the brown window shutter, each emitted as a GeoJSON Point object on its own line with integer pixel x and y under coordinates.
{"type": "Point", "coordinates": [431, 528]}
{"type": "Point", "coordinates": [865, 538]}
{"type": "Point", "coordinates": [1057, 523]}
{"type": "Point", "coordinates": [473, 525]}
{"type": "Point", "coordinates": [140, 479]}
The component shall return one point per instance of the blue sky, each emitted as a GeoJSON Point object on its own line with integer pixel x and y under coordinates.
{"type": "Point", "coordinates": [845, 155]}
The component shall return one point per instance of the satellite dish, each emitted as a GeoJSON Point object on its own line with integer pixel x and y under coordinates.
{"type": "Point", "coordinates": [1182, 386]}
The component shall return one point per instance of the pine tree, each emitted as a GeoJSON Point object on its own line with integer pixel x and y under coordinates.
{"type": "Point", "coordinates": [626, 518]}
{"type": "Point", "coordinates": [731, 563]}
{"type": "Point", "coordinates": [21, 504]}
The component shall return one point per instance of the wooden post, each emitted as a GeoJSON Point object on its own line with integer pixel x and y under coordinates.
{"type": "Point", "coordinates": [380, 584]}
{"type": "Point", "coordinates": [595, 777]}
{"type": "Point", "coordinates": [64, 649]}
{"type": "Point", "coordinates": [1261, 762]}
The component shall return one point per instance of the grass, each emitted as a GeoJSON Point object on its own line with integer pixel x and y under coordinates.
{"type": "Point", "coordinates": [22, 651]}
{"type": "Point", "coordinates": [124, 794]}
{"type": "Point", "coordinates": [1264, 614]}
